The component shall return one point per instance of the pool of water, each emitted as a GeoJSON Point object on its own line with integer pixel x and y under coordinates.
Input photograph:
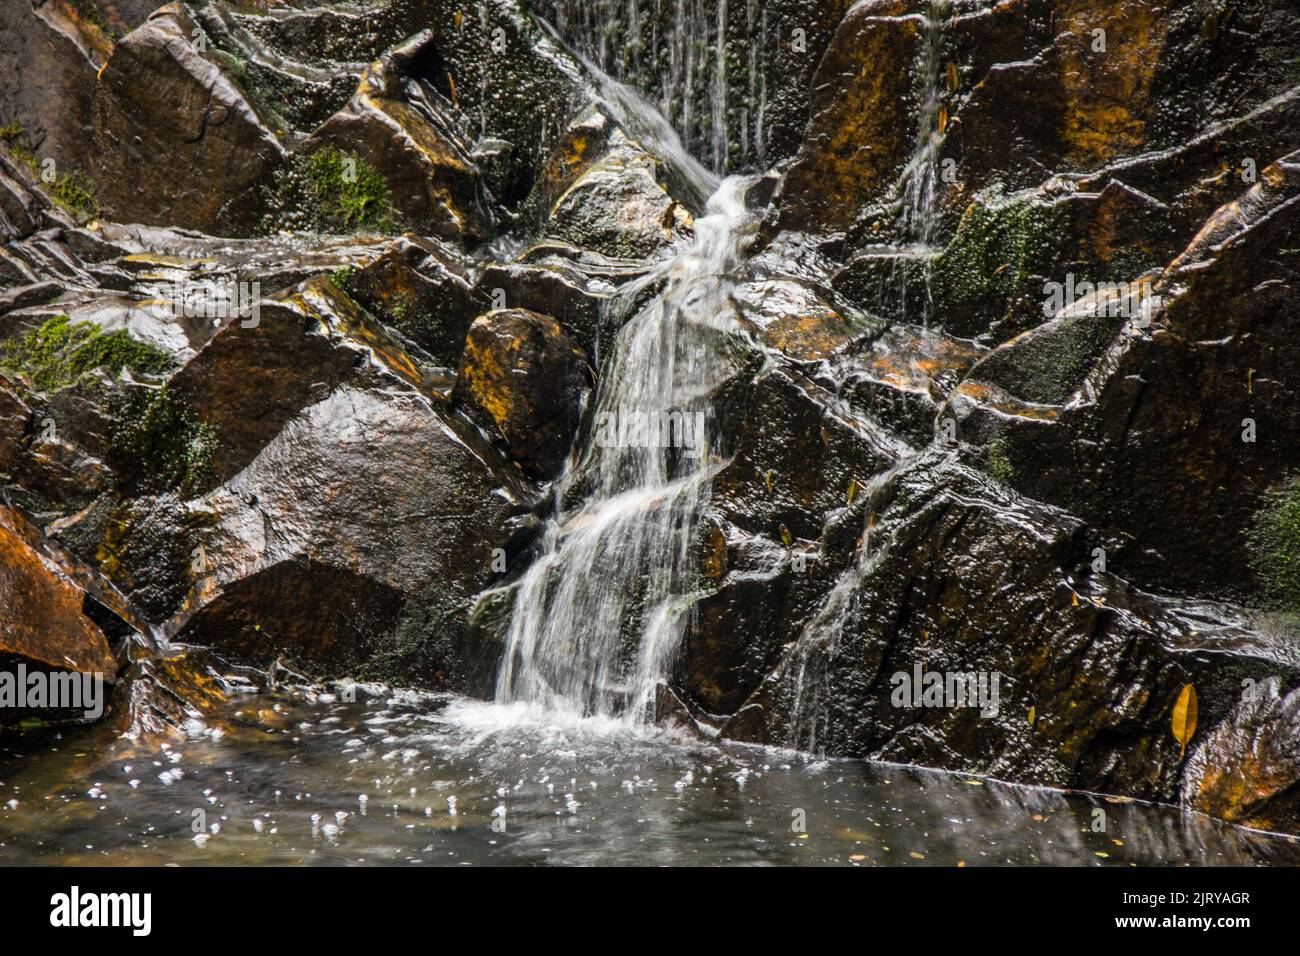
{"type": "Point", "coordinates": [400, 778]}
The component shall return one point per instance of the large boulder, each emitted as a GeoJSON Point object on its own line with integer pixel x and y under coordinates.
{"type": "Point", "coordinates": [176, 141]}
{"type": "Point", "coordinates": [354, 543]}
{"type": "Point", "coordinates": [524, 377]}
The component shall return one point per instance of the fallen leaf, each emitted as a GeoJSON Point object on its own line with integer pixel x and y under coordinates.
{"type": "Point", "coordinates": [1184, 718]}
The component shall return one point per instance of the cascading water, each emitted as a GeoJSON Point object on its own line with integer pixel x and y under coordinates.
{"type": "Point", "coordinates": [678, 48]}
{"type": "Point", "coordinates": [597, 616]}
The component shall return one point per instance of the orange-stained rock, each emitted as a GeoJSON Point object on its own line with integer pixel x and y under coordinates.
{"type": "Point", "coordinates": [522, 375]}
{"type": "Point", "coordinates": [860, 131]}
{"type": "Point", "coordinates": [41, 615]}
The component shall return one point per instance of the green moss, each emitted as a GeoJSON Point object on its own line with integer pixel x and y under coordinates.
{"type": "Point", "coordinates": [331, 192]}
{"type": "Point", "coordinates": [1274, 546]}
{"type": "Point", "coordinates": [999, 464]}
{"type": "Point", "coordinates": [61, 352]}
{"type": "Point", "coordinates": [73, 192]}
{"type": "Point", "coordinates": [351, 200]}
{"type": "Point", "coordinates": [992, 254]}
{"type": "Point", "coordinates": [341, 277]}
{"type": "Point", "coordinates": [158, 439]}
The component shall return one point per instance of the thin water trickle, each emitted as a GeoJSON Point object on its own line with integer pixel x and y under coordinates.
{"type": "Point", "coordinates": [917, 187]}
{"type": "Point", "coordinates": [597, 616]}
{"type": "Point", "coordinates": [818, 643]}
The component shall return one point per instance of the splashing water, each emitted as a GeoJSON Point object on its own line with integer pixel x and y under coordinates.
{"type": "Point", "coordinates": [599, 613]}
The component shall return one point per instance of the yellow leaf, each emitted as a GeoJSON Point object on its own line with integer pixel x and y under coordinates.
{"type": "Point", "coordinates": [858, 857]}
{"type": "Point", "coordinates": [943, 118]}
{"type": "Point", "coordinates": [952, 77]}
{"type": "Point", "coordinates": [769, 479]}
{"type": "Point", "coordinates": [916, 856]}
{"type": "Point", "coordinates": [1032, 715]}
{"type": "Point", "coordinates": [1103, 855]}
{"type": "Point", "coordinates": [853, 489]}
{"type": "Point", "coordinates": [786, 537]}
{"type": "Point", "coordinates": [1184, 720]}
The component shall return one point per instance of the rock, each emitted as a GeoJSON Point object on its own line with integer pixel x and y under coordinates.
{"type": "Point", "coordinates": [617, 207]}
{"type": "Point", "coordinates": [418, 146]}
{"type": "Point", "coordinates": [254, 375]}
{"type": "Point", "coordinates": [858, 136]}
{"type": "Point", "coordinates": [1216, 343]}
{"type": "Point", "coordinates": [792, 317]}
{"type": "Point", "coordinates": [902, 380]}
{"type": "Point", "coordinates": [354, 543]}
{"type": "Point", "coordinates": [1100, 663]}
{"type": "Point", "coordinates": [525, 377]}
{"type": "Point", "coordinates": [554, 286]}
{"type": "Point", "coordinates": [420, 289]}
{"type": "Point", "coordinates": [164, 107]}
{"type": "Point", "coordinates": [55, 51]}
{"type": "Point", "coordinates": [1245, 770]}
{"type": "Point", "coordinates": [796, 452]}
{"type": "Point", "coordinates": [41, 607]}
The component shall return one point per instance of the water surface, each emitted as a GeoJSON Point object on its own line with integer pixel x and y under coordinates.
{"type": "Point", "coordinates": [400, 778]}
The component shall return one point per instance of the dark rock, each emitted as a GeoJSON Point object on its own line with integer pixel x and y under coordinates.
{"type": "Point", "coordinates": [176, 142]}
{"type": "Point", "coordinates": [1246, 769]}
{"type": "Point", "coordinates": [420, 289]}
{"type": "Point", "coordinates": [419, 148]}
{"type": "Point", "coordinates": [354, 542]}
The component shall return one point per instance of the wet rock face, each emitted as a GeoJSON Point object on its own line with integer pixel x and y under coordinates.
{"type": "Point", "coordinates": [417, 146]}
{"type": "Point", "coordinates": [42, 619]}
{"type": "Point", "coordinates": [354, 542]}
{"type": "Point", "coordinates": [1246, 769]}
{"type": "Point", "coordinates": [524, 377]}
{"type": "Point", "coordinates": [926, 459]}
{"type": "Point", "coordinates": [617, 208]}
{"type": "Point", "coordinates": [162, 106]}
{"type": "Point", "coordinates": [858, 135]}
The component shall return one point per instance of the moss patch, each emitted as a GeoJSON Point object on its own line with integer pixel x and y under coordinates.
{"type": "Point", "coordinates": [161, 442]}
{"type": "Point", "coordinates": [1274, 546]}
{"type": "Point", "coordinates": [999, 464]}
{"type": "Point", "coordinates": [61, 352]}
{"type": "Point", "coordinates": [992, 254]}
{"type": "Point", "coordinates": [73, 192]}
{"type": "Point", "coordinates": [332, 192]}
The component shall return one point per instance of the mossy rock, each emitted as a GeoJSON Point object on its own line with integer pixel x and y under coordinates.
{"type": "Point", "coordinates": [1274, 546]}
{"type": "Point", "coordinates": [61, 353]}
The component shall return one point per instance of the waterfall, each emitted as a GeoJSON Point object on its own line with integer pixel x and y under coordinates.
{"type": "Point", "coordinates": [676, 51]}
{"type": "Point", "coordinates": [599, 613]}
